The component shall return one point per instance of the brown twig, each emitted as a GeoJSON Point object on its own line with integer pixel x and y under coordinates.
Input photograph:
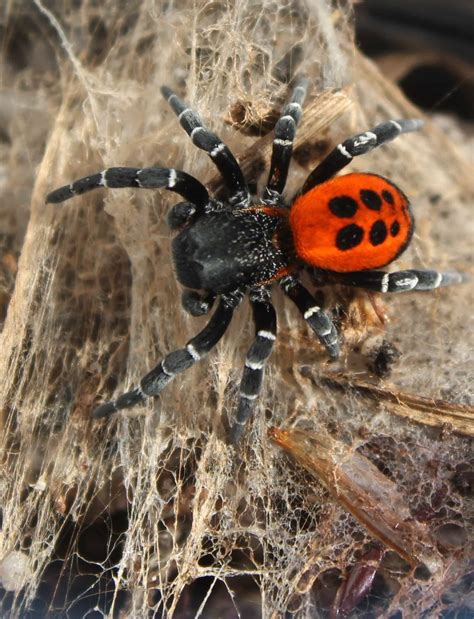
{"type": "Point", "coordinates": [428, 411]}
{"type": "Point", "coordinates": [357, 484]}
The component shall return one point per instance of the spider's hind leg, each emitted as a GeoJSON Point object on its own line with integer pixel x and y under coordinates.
{"type": "Point", "coordinates": [357, 145]}
{"type": "Point", "coordinates": [402, 281]}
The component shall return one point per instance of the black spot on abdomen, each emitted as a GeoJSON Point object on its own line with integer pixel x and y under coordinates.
{"type": "Point", "coordinates": [343, 206]}
{"type": "Point", "coordinates": [395, 228]}
{"type": "Point", "coordinates": [388, 197]}
{"type": "Point", "coordinates": [349, 237]}
{"type": "Point", "coordinates": [378, 233]}
{"type": "Point", "coordinates": [371, 199]}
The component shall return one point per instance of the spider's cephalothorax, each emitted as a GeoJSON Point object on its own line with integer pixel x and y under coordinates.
{"type": "Point", "coordinates": [347, 226]}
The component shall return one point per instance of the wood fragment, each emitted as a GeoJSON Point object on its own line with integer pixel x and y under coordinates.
{"type": "Point", "coordinates": [357, 484]}
{"type": "Point", "coordinates": [434, 412]}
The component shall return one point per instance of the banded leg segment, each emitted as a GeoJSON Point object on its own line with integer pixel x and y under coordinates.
{"type": "Point", "coordinates": [264, 317]}
{"type": "Point", "coordinates": [145, 178]}
{"type": "Point", "coordinates": [357, 145]}
{"type": "Point", "coordinates": [317, 319]}
{"type": "Point", "coordinates": [175, 362]}
{"type": "Point", "coordinates": [285, 131]}
{"type": "Point", "coordinates": [402, 281]}
{"type": "Point", "coordinates": [212, 145]}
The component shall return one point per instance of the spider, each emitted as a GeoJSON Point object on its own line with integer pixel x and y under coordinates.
{"type": "Point", "coordinates": [342, 226]}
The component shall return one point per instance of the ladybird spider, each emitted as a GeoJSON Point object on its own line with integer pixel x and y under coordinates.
{"type": "Point", "coordinates": [347, 226]}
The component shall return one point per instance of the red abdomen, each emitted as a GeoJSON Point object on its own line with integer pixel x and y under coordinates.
{"type": "Point", "coordinates": [351, 223]}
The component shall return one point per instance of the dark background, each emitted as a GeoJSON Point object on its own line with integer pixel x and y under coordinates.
{"type": "Point", "coordinates": [429, 47]}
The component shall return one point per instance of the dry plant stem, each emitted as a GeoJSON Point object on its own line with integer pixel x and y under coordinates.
{"type": "Point", "coordinates": [363, 490]}
{"type": "Point", "coordinates": [428, 411]}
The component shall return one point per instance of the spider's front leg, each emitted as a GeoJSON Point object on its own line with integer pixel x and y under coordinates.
{"type": "Point", "coordinates": [178, 361]}
{"type": "Point", "coordinates": [209, 142]}
{"type": "Point", "coordinates": [143, 178]}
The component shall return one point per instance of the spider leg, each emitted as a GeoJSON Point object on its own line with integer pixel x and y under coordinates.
{"type": "Point", "coordinates": [145, 178]}
{"type": "Point", "coordinates": [212, 145]}
{"type": "Point", "coordinates": [402, 281]}
{"type": "Point", "coordinates": [264, 317]}
{"type": "Point", "coordinates": [285, 131]}
{"type": "Point", "coordinates": [357, 145]}
{"type": "Point", "coordinates": [178, 361]}
{"type": "Point", "coordinates": [317, 319]}
{"type": "Point", "coordinates": [197, 303]}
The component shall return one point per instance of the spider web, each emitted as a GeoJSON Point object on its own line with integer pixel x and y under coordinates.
{"type": "Point", "coordinates": [153, 514]}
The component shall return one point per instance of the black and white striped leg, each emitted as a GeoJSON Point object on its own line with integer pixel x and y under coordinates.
{"type": "Point", "coordinates": [402, 281]}
{"type": "Point", "coordinates": [317, 319]}
{"type": "Point", "coordinates": [360, 144]}
{"type": "Point", "coordinates": [264, 317]}
{"type": "Point", "coordinates": [212, 145]}
{"type": "Point", "coordinates": [145, 178]}
{"type": "Point", "coordinates": [285, 131]}
{"type": "Point", "coordinates": [175, 362]}
{"type": "Point", "coordinates": [197, 303]}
